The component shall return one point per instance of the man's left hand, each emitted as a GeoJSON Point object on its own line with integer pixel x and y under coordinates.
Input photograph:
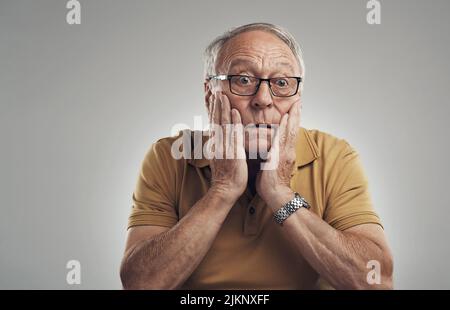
{"type": "Point", "coordinates": [273, 185]}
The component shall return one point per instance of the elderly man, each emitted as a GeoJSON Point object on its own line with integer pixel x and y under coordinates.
{"type": "Point", "coordinates": [225, 223]}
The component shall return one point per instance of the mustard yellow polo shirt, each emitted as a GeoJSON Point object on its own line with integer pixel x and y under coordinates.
{"type": "Point", "coordinates": [250, 250]}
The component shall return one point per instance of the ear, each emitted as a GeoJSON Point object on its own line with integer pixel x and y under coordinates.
{"type": "Point", "coordinates": [208, 93]}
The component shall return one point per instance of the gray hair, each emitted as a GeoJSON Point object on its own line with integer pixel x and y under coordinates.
{"type": "Point", "coordinates": [214, 48]}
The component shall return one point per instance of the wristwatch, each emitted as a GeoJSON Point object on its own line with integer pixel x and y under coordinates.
{"type": "Point", "coordinates": [285, 211]}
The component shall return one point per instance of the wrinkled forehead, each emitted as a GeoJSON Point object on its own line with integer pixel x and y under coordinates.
{"type": "Point", "coordinates": [260, 52]}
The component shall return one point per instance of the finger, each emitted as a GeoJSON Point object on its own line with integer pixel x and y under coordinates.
{"type": "Point", "coordinates": [211, 117]}
{"type": "Point", "coordinates": [282, 129]}
{"type": "Point", "coordinates": [238, 134]}
{"type": "Point", "coordinates": [276, 140]}
{"type": "Point", "coordinates": [216, 110]}
{"type": "Point", "coordinates": [226, 109]}
{"type": "Point", "coordinates": [210, 109]}
{"type": "Point", "coordinates": [208, 100]}
{"type": "Point", "coordinates": [293, 122]}
{"type": "Point", "coordinates": [215, 130]}
{"type": "Point", "coordinates": [236, 117]}
{"type": "Point", "coordinates": [294, 113]}
{"type": "Point", "coordinates": [298, 112]}
{"type": "Point", "coordinates": [274, 153]}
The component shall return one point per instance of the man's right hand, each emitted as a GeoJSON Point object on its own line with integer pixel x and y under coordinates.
{"type": "Point", "coordinates": [228, 175]}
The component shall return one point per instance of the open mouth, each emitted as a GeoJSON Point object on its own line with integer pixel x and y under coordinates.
{"type": "Point", "coordinates": [262, 125]}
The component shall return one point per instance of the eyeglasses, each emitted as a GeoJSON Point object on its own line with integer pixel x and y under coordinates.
{"type": "Point", "coordinates": [244, 85]}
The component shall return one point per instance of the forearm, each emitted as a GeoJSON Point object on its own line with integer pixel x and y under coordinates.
{"type": "Point", "coordinates": [339, 257]}
{"type": "Point", "coordinates": [167, 260]}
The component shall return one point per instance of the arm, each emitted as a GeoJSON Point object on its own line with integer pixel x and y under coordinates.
{"type": "Point", "coordinates": [340, 257]}
{"type": "Point", "coordinates": [157, 258]}
{"type": "Point", "coordinates": [149, 263]}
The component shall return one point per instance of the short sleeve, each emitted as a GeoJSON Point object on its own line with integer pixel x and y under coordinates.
{"type": "Point", "coordinates": [154, 198]}
{"type": "Point", "coordinates": [349, 203]}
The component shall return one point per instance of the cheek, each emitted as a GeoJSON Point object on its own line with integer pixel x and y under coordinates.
{"type": "Point", "coordinates": [240, 103]}
{"type": "Point", "coordinates": [285, 106]}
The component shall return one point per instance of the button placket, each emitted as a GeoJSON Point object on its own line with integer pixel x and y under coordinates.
{"type": "Point", "coordinates": [251, 217]}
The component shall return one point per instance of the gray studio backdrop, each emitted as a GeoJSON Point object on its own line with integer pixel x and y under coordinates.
{"type": "Point", "coordinates": [81, 104]}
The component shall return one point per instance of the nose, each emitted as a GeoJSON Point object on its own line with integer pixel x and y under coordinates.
{"type": "Point", "coordinates": [263, 97]}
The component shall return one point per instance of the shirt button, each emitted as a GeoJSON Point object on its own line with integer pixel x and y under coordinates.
{"type": "Point", "coordinates": [251, 210]}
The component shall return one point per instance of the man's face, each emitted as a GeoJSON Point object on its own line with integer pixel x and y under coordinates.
{"type": "Point", "coordinates": [260, 54]}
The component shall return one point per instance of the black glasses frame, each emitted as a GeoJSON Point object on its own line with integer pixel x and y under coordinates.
{"type": "Point", "coordinates": [223, 77]}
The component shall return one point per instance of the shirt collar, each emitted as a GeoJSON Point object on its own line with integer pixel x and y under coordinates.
{"type": "Point", "coordinates": [305, 148]}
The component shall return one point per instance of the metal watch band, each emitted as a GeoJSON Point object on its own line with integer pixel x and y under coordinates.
{"type": "Point", "coordinates": [285, 211]}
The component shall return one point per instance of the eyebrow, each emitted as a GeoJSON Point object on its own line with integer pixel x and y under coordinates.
{"type": "Point", "coordinates": [241, 61]}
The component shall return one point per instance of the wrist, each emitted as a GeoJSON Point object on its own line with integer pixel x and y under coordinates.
{"type": "Point", "coordinates": [294, 205]}
{"type": "Point", "coordinates": [225, 196]}
{"type": "Point", "coordinates": [279, 197]}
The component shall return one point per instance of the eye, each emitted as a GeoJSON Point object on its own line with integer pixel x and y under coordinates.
{"type": "Point", "coordinates": [244, 80]}
{"type": "Point", "coordinates": [281, 83]}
